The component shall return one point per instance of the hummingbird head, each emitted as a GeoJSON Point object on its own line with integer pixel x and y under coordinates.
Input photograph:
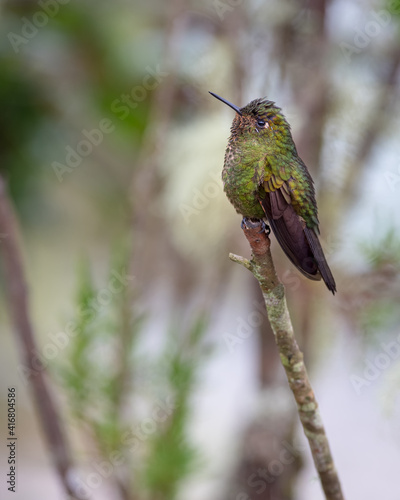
{"type": "Point", "coordinates": [260, 119]}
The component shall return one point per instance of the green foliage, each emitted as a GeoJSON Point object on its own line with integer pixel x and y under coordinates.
{"type": "Point", "coordinates": [21, 114]}
{"type": "Point", "coordinates": [379, 317]}
{"type": "Point", "coordinates": [98, 375]}
{"type": "Point", "coordinates": [383, 251]}
{"type": "Point", "coordinates": [171, 456]}
{"type": "Point", "coordinates": [382, 315]}
{"type": "Point", "coordinates": [77, 376]}
{"type": "Point", "coordinates": [108, 79]}
{"type": "Point", "coordinates": [393, 6]}
{"type": "Point", "coordinates": [97, 365]}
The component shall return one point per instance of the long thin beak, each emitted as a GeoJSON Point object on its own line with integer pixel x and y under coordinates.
{"type": "Point", "coordinates": [236, 108]}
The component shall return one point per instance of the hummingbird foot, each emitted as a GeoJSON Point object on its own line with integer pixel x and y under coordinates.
{"type": "Point", "coordinates": [253, 223]}
{"type": "Point", "coordinates": [264, 228]}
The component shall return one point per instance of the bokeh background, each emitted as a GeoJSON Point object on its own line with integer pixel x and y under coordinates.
{"type": "Point", "coordinates": [112, 150]}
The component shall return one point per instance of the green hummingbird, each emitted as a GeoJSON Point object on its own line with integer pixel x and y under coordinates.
{"type": "Point", "coordinates": [264, 177]}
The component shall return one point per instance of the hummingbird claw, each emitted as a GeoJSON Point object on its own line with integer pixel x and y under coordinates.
{"type": "Point", "coordinates": [243, 224]}
{"type": "Point", "coordinates": [252, 223]}
{"type": "Point", "coordinates": [265, 228]}
{"type": "Point", "coordinates": [248, 223]}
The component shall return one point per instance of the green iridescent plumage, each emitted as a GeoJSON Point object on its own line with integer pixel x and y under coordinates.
{"type": "Point", "coordinates": [264, 177]}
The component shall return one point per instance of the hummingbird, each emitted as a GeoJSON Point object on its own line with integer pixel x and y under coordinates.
{"type": "Point", "coordinates": [265, 178]}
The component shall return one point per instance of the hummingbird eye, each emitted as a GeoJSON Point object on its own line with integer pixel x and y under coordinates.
{"type": "Point", "coordinates": [261, 123]}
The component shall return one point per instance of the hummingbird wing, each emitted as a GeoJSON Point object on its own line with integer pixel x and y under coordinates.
{"type": "Point", "coordinates": [288, 228]}
{"type": "Point", "coordinates": [299, 242]}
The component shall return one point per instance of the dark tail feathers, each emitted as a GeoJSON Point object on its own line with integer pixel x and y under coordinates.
{"type": "Point", "coordinates": [319, 256]}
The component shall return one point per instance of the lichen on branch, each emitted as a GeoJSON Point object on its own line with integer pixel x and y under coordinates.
{"type": "Point", "coordinates": [263, 269]}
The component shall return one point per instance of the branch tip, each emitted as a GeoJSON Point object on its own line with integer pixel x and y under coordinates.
{"type": "Point", "coordinates": [240, 260]}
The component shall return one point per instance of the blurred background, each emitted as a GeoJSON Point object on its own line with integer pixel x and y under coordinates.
{"type": "Point", "coordinates": [155, 345]}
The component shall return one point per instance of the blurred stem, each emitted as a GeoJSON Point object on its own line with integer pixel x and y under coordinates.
{"type": "Point", "coordinates": [145, 200]}
{"type": "Point", "coordinates": [17, 296]}
{"type": "Point", "coordinates": [313, 94]}
{"type": "Point", "coordinates": [124, 375]}
{"type": "Point", "coordinates": [300, 49]}
{"type": "Point", "coordinates": [164, 100]}
{"type": "Point", "coordinates": [126, 327]}
{"type": "Point", "coordinates": [237, 22]}
{"type": "Point", "coordinates": [262, 267]}
{"type": "Point", "coordinates": [380, 114]}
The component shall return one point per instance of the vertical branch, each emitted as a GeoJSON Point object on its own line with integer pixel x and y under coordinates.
{"type": "Point", "coordinates": [300, 49]}
{"type": "Point", "coordinates": [148, 180]}
{"type": "Point", "coordinates": [17, 297]}
{"type": "Point", "coordinates": [313, 93]}
{"type": "Point", "coordinates": [380, 113]}
{"type": "Point", "coordinates": [262, 267]}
